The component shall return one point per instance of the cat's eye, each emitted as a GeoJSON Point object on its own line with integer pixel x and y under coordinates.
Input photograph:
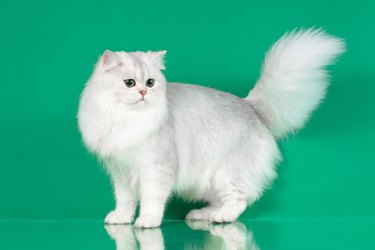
{"type": "Point", "coordinates": [129, 83]}
{"type": "Point", "coordinates": [150, 83]}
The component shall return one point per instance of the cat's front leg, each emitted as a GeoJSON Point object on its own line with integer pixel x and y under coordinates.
{"type": "Point", "coordinates": [125, 206]}
{"type": "Point", "coordinates": [155, 187]}
{"type": "Point", "coordinates": [126, 202]}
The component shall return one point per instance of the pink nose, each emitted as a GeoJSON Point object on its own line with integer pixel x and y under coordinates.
{"type": "Point", "coordinates": [143, 92]}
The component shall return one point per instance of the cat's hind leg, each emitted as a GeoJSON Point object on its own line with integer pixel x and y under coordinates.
{"type": "Point", "coordinates": [202, 213]}
{"type": "Point", "coordinates": [244, 175]}
{"type": "Point", "coordinates": [219, 212]}
{"type": "Point", "coordinates": [239, 180]}
{"type": "Point", "coordinates": [229, 212]}
{"type": "Point", "coordinates": [223, 206]}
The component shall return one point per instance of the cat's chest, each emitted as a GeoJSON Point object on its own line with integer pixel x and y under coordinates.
{"type": "Point", "coordinates": [115, 133]}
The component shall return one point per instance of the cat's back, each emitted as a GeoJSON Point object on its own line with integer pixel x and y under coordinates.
{"type": "Point", "coordinates": [196, 110]}
{"type": "Point", "coordinates": [203, 103]}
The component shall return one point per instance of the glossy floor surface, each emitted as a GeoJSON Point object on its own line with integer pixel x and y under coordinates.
{"type": "Point", "coordinates": [246, 234]}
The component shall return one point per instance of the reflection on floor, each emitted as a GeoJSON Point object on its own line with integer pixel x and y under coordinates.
{"type": "Point", "coordinates": [246, 234]}
{"type": "Point", "coordinates": [220, 236]}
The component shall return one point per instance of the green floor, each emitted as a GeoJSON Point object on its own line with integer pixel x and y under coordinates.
{"type": "Point", "coordinates": [247, 234]}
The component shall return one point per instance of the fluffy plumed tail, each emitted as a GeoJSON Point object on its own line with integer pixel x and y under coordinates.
{"type": "Point", "coordinates": [293, 79]}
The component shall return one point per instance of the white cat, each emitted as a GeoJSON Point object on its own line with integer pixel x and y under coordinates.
{"type": "Point", "coordinates": [156, 137]}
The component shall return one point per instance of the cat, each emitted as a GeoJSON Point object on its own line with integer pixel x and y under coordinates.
{"type": "Point", "coordinates": [156, 138]}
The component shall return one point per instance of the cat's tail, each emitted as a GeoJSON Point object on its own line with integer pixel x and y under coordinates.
{"type": "Point", "coordinates": [293, 79]}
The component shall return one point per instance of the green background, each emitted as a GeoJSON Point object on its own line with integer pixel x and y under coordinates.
{"type": "Point", "coordinates": [48, 49]}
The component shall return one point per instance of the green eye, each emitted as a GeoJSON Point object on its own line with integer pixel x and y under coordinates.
{"type": "Point", "coordinates": [129, 83]}
{"type": "Point", "coordinates": [150, 83]}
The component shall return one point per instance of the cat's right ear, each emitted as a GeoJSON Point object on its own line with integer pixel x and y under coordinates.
{"type": "Point", "coordinates": [110, 60]}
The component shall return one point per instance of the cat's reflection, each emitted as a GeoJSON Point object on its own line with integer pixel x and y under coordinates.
{"type": "Point", "coordinates": [231, 236]}
{"type": "Point", "coordinates": [127, 237]}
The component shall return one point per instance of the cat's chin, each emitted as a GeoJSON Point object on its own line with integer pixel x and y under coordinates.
{"type": "Point", "coordinates": [140, 104]}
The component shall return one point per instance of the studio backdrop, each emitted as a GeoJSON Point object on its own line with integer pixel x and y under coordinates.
{"type": "Point", "coordinates": [49, 48]}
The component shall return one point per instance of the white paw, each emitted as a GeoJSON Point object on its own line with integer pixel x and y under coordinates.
{"type": "Point", "coordinates": [222, 216]}
{"type": "Point", "coordinates": [116, 217]}
{"type": "Point", "coordinates": [148, 221]}
{"type": "Point", "coordinates": [200, 214]}
{"type": "Point", "coordinates": [197, 214]}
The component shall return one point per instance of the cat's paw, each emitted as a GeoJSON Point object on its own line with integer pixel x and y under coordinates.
{"type": "Point", "coordinates": [148, 221]}
{"type": "Point", "coordinates": [117, 217]}
{"type": "Point", "coordinates": [229, 212]}
{"type": "Point", "coordinates": [223, 215]}
{"type": "Point", "coordinates": [198, 214]}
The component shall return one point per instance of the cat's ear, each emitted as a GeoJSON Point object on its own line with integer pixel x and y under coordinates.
{"type": "Point", "coordinates": [110, 60]}
{"type": "Point", "coordinates": [157, 58]}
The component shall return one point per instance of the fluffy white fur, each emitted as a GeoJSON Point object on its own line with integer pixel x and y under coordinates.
{"type": "Point", "coordinates": [202, 143]}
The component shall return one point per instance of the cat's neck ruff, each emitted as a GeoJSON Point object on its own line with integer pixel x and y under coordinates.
{"type": "Point", "coordinates": [130, 128]}
{"type": "Point", "coordinates": [115, 127]}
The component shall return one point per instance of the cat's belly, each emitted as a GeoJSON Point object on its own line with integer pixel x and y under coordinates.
{"type": "Point", "coordinates": [195, 172]}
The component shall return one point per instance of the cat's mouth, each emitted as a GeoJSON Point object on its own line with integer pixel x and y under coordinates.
{"type": "Point", "coordinates": [141, 101]}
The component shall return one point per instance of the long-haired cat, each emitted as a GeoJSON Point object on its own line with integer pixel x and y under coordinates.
{"type": "Point", "coordinates": [155, 137]}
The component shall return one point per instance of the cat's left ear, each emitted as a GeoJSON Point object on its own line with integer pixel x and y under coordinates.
{"type": "Point", "coordinates": [110, 60]}
{"type": "Point", "coordinates": [157, 58]}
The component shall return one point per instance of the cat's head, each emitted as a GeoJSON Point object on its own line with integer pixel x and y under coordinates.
{"type": "Point", "coordinates": [133, 78]}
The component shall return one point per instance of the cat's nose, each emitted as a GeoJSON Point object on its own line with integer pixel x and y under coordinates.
{"type": "Point", "coordinates": [143, 92]}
